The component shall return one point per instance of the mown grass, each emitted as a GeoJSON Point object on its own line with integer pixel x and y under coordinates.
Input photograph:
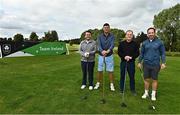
{"type": "Point", "coordinates": [51, 84]}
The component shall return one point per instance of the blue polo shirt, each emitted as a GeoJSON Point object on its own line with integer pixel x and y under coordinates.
{"type": "Point", "coordinates": [105, 43]}
{"type": "Point", "coordinates": [152, 52]}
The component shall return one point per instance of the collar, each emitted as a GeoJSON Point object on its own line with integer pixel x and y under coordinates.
{"type": "Point", "coordinates": [107, 35]}
{"type": "Point", "coordinates": [152, 39]}
{"type": "Point", "coordinates": [129, 42]}
{"type": "Point", "coordinates": [88, 41]}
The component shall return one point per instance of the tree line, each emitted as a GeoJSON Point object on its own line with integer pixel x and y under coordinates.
{"type": "Point", "coordinates": [49, 36]}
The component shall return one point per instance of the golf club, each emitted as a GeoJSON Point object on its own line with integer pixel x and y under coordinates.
{"type": "Point", "coordinates": [103, 101]}
{"type": "Point", "coordinates": [123, 104]}
{"type": "Point", "coordinates": [151, 106]}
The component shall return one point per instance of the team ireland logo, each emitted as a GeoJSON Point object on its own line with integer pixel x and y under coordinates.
{"type": "Point", "coordinates": [6, 48]}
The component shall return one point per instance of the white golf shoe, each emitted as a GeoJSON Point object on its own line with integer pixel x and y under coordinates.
{"type": "Point", "coordinates": [112, 87]}
{"type": "Point", "coordinates": [145, 95]}
{"type": "Point", "coordinates": [83, 86]}
{"type": "Point", "coordinates": [153, 97]}
{"type": "Point", "coordinates": [90, 87]}
{"type": "Point", "coordinates": [97, 85]}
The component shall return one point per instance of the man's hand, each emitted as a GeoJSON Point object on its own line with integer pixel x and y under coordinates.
{"type": "Point", "coordinates": [127, 58]}
{"type": "Point", "coordinates": [104, 52]}
{"type": "Point", "coordinates": [163, 66]}
{"type": "Point", "coordinates": [108, 51]}
{"type": "Point", "coordinates": [86, 54]}
{"type": "Point", "coordinates": [139, 65]}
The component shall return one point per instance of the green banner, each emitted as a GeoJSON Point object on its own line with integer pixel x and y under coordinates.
{"type": "Point", "coordinates": [47, 48]}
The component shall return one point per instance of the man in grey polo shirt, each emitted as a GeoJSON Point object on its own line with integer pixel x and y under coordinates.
{"type": "Point", "coordinates": [87, 51]}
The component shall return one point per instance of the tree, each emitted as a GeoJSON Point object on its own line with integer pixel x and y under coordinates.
{"type": "Point", "coordinates": [54, 35]}
{"type": "Point", "coordinates": [167, 23]}
{"type": "Point", "coordinates": [5, 39]}
{"type": "Point", "coordinates": [18, 38]}
{"type": "Point", "coordinates": [1, 39]}
{"type": "Point", "coordinates": [9, 39]}
{"type": "Point", "coordinates": [50, 36]}
{"type": "Point", "coordinates": [140, 38]}
{"type": "Point", "coordinates": [33, 36]}
{"type": "Point", "coordinates": [74, 41]}
{"type": "Point", "coordinates": [118, 34]}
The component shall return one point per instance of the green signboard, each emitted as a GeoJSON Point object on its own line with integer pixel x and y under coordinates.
{"type": "Point", "coordinates": [47, 48]}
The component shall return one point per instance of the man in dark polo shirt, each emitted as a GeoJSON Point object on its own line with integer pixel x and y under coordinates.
{"type": "Point", "coordinates": [128, 51]}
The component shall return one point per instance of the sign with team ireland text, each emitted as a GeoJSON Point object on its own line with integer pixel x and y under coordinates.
{"type": "Point", "coordinates": [47, 48]}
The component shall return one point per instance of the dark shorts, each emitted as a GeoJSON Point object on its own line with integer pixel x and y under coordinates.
{"type": "Point", "coordinates": [151, 71]}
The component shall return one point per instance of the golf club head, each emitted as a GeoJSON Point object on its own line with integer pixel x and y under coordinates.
{"type": "Point", "coordinates": [152, 107]}
{"type": "Point", "coordinates": [123, 105]}
{"type": "Point", "coordinates": [103, 101]}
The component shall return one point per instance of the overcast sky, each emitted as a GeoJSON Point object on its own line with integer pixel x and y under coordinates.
{"type": "Point", "coordinates": [71, 17]}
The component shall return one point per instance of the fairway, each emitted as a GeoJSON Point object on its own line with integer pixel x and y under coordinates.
{"type": "Point", "coordinates": [51, 84]}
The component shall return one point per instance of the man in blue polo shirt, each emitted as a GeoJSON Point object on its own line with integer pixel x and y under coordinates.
{"type": "Point", "coordinates": [105, 48]}
{"type": "Point", "coordinates": [151, 51]}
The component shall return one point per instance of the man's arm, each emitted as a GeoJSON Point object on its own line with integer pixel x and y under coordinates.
{"type": "Point", "coordinates": [81, 50]}
{"type": "Point", "coordinates": [120, 50]}
{"type": "Point", "coordinates": [141, 57]}
{"type": "Point", "coordinates": [163, 55]}
{"type": "Point", "coordinates": [94, 49]}
{"type": "Point", "coordinates": [136, 51]}
{"type": "Point", "coordinates": [99, 44]}
{"type": "Point", "coordinates": [112, 44]}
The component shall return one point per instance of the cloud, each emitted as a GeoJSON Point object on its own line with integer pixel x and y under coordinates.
{"type": "Point", "coordinates": [71, 17]}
